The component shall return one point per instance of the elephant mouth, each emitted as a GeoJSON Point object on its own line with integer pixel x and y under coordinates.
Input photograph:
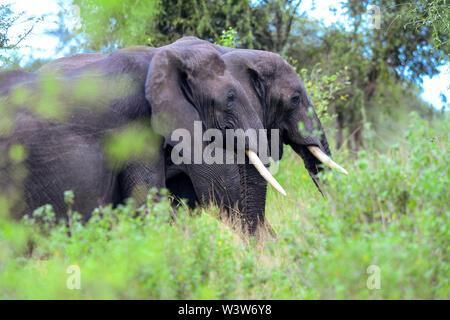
{"type": "Point", "coordinates": [325, 159]}
{"type": "Point", "coordinates": [312, 164]}
{"type": "Point", "coordinates": [314, 157]}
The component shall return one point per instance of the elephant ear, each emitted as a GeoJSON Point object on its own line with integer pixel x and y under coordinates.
{"type": "Point", "coordinates": [256, 80]}
{"type": "Point", "coordinates": [177, 90]}
{"type": "Point", "coordinates": [168, 90]}
{"type": "Point", "coordinates": [259, 85]}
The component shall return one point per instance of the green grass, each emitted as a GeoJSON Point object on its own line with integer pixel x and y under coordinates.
{"type": "Point", "coordinates": [392, 211]}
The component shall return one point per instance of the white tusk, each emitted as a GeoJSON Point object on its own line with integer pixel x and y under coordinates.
{"type": "Point", "coordinates": [319, 154]}
{"type": "Point", "coordinates": [254, 159]}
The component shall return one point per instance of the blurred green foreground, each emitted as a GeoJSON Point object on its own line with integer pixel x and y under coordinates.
{"type": "Point", "coordinates": [381, 232]}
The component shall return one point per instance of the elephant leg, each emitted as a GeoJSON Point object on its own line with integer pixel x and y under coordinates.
{"type": "Point", "coordinates": [180, 186]}
{"type": "Point", "coordinates": [136, 180]}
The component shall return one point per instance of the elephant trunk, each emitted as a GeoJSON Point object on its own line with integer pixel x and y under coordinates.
{"type": "Point", "coordinates": [230, 187]}
{"type": "Point", "coordinates": [253, 188]}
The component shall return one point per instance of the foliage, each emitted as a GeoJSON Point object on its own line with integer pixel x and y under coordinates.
{"type": "Point", "coordinates": [7, 19]}
{"type": "Point", "coordinates": [108, 25]}
{"type": "Point", "coordinates": [273, 23]}
{"type": "Point", "coordinates": [408, 42]}
{"type": "Point", "coordinates": [228, 38]}
{"type": "Point", "coordinates": [393, 54]}
{"type": "Point", "coordinates": [323, 90]}
{"type": "Point", "coordinates": [8, 42]}
{"type": "Point", "coordinates": [434, 15]}
{"type": "Point", "coordinates": [391, 212]}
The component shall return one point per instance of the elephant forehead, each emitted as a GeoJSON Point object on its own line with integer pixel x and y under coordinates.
{"type": "Point", "coordinates": [204, 62]}
{"type": "Point", "coordinates": [287, 82]}
{"type": "Point", "coordinates": [219, 82]}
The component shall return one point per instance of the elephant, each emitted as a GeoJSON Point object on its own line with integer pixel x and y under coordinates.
{"type": "Point", "coordinates": [279, 99]}
{"type": "Point", "coordinates": [164, 89]}
{"type": "Point", "coordinates": [281, 102]}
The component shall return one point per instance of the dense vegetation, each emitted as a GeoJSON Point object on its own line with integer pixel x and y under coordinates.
{"type": "Point", "coordinates": [391, 212]}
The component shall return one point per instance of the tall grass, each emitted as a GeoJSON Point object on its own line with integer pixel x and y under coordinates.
{"type": "Point", "coordinates": [391, 212]}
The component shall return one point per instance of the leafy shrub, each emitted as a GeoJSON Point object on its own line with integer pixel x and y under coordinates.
{"type": "Point", "coordinates": [390, 212]}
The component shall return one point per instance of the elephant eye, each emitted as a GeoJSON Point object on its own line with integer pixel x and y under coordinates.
{"type": "Point", "coordinates": [230, 99]}
{"type": "Point", "coordinates": [230, 96]}
{"type": "Point", "coordinates": [295, 100]}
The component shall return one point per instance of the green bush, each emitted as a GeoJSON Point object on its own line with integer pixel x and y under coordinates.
{"type": "Point", "coordinates": [390, 212]}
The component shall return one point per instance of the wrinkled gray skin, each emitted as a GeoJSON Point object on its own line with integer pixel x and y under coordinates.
{"type": "Point", "coordinates": [164, 83]}
{"type": "Point", "coordinates": [68, 155]}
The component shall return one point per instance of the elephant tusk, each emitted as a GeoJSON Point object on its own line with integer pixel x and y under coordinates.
{"type": "Point", "coordinates": [254, 159]}
{"type": "Point", "coordinates": [319, 154]}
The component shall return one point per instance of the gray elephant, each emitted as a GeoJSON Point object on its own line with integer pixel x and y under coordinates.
{"type": "Point", "coordinates": [281, 102]}
{"type": "Point", "coordinates": [262, 75]}
{"type": "Point", "coordinates": [163, 90]}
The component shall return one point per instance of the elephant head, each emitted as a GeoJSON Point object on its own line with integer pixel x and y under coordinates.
{"type": "Point", "coordinates": [282, 103]}
{"type": "Point", "coordinates": [192, 83]}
